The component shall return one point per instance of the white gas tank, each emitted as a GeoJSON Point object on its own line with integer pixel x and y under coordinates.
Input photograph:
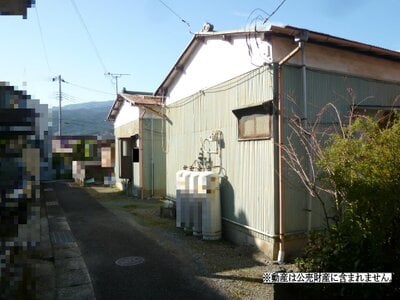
{"type": "Point", "coordinates": [182, 189]}
{"type": "Point", "coordinates": [209, 191]}
{"type": "Point", "coordinates": [195, 202]}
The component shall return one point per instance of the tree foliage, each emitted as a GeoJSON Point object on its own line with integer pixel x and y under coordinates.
{"type": "Point", "coordinates": [359, 167]}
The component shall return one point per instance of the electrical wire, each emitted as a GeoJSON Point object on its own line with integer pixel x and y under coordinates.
{"type": "Point", "coordinates": [42, 39]}
{"type": "Point", "coordinates": [88, 88]}
{"type": "Point", "coordinates": [252, 22]}
{"type": "Point", "coordinates": [222, 87]}
{"type": "Point", "coordinates": [65, 96]}
{"type": "Point", "coordinates": [89, 36]}
{"type": "Point", "coordinates": [178, 16]}
{"type": "Point", "coordinates": [274, 12]}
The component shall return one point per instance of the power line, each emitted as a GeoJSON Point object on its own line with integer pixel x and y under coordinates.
{"type": "Point", "coordinates": [89, 35]}
{"type": "Point", "coordinates": [258, 16]}
{"type": "Point", "coordinates": [67, 97]}
{"type": "Point", "coordinates": [276, 9]}
{"type": "Point", "coordinates": [42, 39]}
{"type": "Point", "coordinates": [88, 88]}
{"type": "Point", "coordinates": [254, 18]}
{"type": "Point", "coordinates": [70, 98]}
{"type": "Point", "coordinates": [178, 16]}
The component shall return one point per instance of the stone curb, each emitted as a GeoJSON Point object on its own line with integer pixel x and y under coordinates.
{"type": "Point", "coordinates": [71, 276]}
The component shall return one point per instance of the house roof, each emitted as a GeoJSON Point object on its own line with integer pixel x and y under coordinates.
{"type": "Point", "coordinates": [277, 31]}
{"type": "Point", "coordinates": [336, 42]}
{"type": "Point", "coordinates": [143, 99]}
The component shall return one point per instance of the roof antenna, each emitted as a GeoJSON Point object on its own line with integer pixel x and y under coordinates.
{"type": "Point", "coordinates": [115, 76]}
{"type": "Point", "coordinates": [207, 27]}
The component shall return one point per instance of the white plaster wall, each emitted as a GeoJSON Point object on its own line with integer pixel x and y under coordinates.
{"type": "Point", "coordinates": [216, 61]}
{"type": "Point", "coordinates": [127, 113]}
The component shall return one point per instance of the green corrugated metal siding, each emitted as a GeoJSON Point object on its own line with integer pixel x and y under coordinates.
{"type": "Point", "coordinates": [247, 193]}
{"type": "Point", "coordinates": [158, 157]}
{"type": "Point", "coordinates": [340, 90]}
{"type": "Point", "coordinates": [322, 88]}
{"type": "Point", "coordinates": [295, 195]}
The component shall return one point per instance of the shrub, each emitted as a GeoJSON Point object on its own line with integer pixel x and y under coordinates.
{"type": "Point", "coordinates": [363, 166]}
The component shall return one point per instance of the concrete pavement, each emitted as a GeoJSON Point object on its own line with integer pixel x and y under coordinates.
{"type": "Point", "coordinates": [105, 243]}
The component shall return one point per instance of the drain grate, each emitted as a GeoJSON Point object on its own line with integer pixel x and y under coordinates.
{"type": "Point", "coordinates": [61, 237]}
{"type": "Point", "coordinates": [129, 261]}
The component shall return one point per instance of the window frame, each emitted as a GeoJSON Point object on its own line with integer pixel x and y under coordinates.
{"type": "Point", "coordinates": [383, 115]}
{"type": "Point", "coordinates": [265, 109]}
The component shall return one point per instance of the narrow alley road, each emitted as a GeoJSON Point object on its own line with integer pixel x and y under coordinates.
{"type": "Point", "coordinates": [103, 239]}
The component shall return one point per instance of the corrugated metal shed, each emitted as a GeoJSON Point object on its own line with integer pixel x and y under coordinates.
{"type": "Point", "coordinates": [247, 192]}
{"type": "Point", "coordinates": [153, 157]}
{"type": "Point", "coordinates": [323, 87]}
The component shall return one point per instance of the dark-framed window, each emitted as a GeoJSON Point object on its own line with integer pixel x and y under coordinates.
{"type": "Point", "coordinates": [254, 122]}
{"type": "Point", "coordinates": [383, 115]}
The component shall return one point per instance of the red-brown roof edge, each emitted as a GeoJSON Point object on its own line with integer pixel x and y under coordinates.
{"type": "Point", "coordinates": [286, 31]}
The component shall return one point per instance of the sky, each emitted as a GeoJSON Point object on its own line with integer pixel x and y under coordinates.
{"type": "Point", "coordinates": [81, 41]}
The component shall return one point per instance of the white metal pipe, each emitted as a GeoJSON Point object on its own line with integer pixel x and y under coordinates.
{"type": "Point", "coordinates": [251, 228]}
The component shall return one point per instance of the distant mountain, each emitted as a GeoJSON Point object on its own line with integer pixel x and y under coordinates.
{"type": "Point", "coordinates": [83, 119]}
{"type": "Point", "coordinates": [89, 105]}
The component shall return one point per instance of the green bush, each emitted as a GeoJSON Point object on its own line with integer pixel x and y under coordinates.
{"type": "Point", "coordinates": [363, 166]}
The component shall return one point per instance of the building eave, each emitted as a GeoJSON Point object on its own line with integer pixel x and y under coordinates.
{"type": "Point", "coordinates": [335, 42]}
{"type": "Point", "coordinates": [274, 31]}
{"type": "Point", "coordinates": [134, 99]}
{"type": "Point", "coordinates": [197, 40]}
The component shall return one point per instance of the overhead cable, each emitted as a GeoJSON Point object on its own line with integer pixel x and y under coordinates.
{"type": "Point", "coordinates": [178, 16]}
{"type": "Point", "coordinates": [276, 9]}
{"type": "Point", "coordinates": [43, 43]}
{"type": "Point", "coordinates": [89, 35]}
{"type": "Point", "coordinates": [88, 88]}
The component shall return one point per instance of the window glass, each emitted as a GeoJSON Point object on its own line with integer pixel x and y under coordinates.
{"type": "Point", "coordinates": [124, 147]}
{"type": "Point", "coordinates": [254, 122]}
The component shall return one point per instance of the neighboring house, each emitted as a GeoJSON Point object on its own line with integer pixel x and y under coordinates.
{"type": "Point", "coordinates": [82, 157]}
{"type": "Point", "coordinates": [138, 130]}
{"type": "Point", "coordinates": [98, 170]}
{"type": "Point", "coordinates": [68, 148]}
{"type": "Point", "coordinates": [235, 83]}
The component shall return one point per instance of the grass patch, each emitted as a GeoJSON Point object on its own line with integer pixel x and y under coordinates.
{"type": "Point", "coordinates": [131, 206]}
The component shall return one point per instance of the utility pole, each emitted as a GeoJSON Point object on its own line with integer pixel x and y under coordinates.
{"type": "Point", "coordinates": [59, 100]}
{"type": "Point", "coordinates": [115, 76]}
